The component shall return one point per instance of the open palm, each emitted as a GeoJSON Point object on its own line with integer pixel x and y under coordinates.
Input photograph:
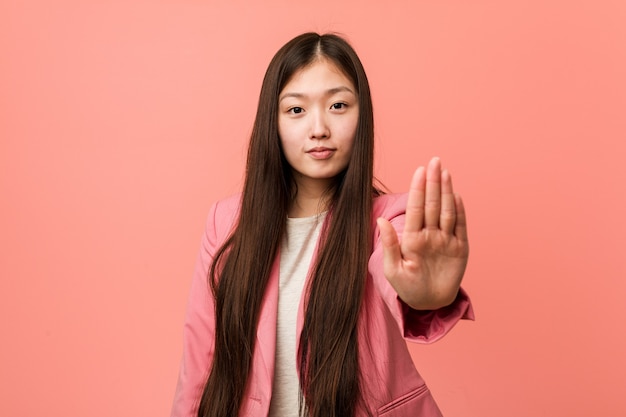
{"type": "Point", "coordinates": [426, 264]}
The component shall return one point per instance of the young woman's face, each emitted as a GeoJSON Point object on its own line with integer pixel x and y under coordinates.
{"type": "Point", "coordinates": [318, 112]}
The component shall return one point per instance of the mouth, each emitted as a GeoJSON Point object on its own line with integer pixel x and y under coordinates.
{"type": "Point", "coordinates": [321, 152]}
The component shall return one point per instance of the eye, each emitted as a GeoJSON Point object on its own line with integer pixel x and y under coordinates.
{"type": "Point", "coordinates": [295, 110]}
{"type": "Point", "coordinates": [338, 106]}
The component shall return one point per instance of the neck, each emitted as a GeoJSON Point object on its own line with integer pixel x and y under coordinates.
{"type": "Point", "coordinates": [312, 198]}
{"type": "Point", "coordinates": [307, 207]}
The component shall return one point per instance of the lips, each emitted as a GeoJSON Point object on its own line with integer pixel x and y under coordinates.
{"type": "Point", "coordinates": [321, 152]}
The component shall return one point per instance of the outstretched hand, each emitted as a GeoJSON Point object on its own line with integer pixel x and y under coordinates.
{"type": "Point", "coordinates": [425, 266]}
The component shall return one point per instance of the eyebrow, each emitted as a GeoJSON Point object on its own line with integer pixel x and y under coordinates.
{"type": "Point", "coordinates": [329, 92]}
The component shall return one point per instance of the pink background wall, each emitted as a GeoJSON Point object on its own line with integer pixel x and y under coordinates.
{"type": "Point", "coordinates": [121, 122]}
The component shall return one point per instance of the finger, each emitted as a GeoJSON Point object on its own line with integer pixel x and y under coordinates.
{"type": "Point", "coordinates": [414, 220]}
{"type": "Point", "coordinates": [447, 218]}
{"type": "Point", "coordinates": [391, 246]}
{"type": "Point", "coordinates": [460, 229]}
{"type": "Point", "coordinates": [432, 203]}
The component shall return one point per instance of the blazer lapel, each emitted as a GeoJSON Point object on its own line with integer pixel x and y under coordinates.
{"type": "Point", "coordinates": [265, 350]}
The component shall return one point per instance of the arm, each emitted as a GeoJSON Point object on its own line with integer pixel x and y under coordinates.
{"type": "Point", "coordinates": [199, 329]}
{"type": "Point", "coordinates": [420, 256]}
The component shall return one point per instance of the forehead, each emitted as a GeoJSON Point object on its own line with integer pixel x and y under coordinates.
{"type": "Point", "coordinates": [321, 74]}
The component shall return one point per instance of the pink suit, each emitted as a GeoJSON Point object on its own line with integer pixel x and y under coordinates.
{"type": "Point", "coordinates": [392, 386]}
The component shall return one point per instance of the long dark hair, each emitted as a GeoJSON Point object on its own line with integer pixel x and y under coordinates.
{"type": "Point", "coordinates": [328, 350]}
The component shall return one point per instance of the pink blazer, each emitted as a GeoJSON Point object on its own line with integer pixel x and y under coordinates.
{"type": "Point", "coordinates": [392, 386]}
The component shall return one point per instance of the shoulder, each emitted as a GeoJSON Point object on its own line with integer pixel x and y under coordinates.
{"type": "Point", "coordinates": [228, 204]}
{"type": "Point", "coordinates": [223, 214]}
{"type": "Point", "coordinates": [389, 205]}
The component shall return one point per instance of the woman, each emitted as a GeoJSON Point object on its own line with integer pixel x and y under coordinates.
{"type": "Point", "coordinates": [311, 280]}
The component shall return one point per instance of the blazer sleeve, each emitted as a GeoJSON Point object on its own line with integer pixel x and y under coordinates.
{"type": "Point", "coordinates": [421, 326]}
{"type": "Point", "coordinates": [199, 329]}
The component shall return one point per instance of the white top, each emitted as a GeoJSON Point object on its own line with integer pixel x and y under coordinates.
{"type": "Point", "coordinates": [296, 253]}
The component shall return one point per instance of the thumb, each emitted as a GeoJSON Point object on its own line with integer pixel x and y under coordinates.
{"type": "Point", "coordinates": [392, 255]}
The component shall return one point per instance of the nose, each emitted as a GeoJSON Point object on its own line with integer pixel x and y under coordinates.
{"type": "Point", "coordinates": [319, 126]}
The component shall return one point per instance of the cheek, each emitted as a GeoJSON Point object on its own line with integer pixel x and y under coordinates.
{"type": "Point", "coordinates": [290, 149]}
{"type": "Point", "coordinates": [350, 138]}
{"type": "Point", "coordinates": [348, 133]}
{"type": "Point", "coordinates": [287, 133]}
{"type": "Point", "coordinates": [283, 137]}
{"type": "Point", "coordinates": [281, 133]}
{"type": "Point", "coordinates": [286, 142]}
